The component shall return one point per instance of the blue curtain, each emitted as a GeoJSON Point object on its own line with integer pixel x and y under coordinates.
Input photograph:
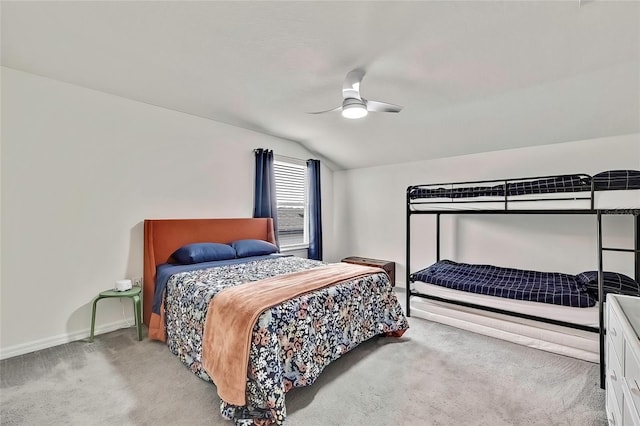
{"type": "Point", "coordinates": [315, 210]}
{"type": "Point", "coordinates": [264, 198]}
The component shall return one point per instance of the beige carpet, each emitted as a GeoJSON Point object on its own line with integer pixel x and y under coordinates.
{"type": "Point", "coordinates": [434, 375]}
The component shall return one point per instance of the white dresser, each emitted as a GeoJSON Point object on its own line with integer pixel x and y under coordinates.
{"type": "Point", "coordinates": [623, 360]}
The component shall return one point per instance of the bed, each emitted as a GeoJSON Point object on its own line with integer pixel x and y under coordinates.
{"type": "Point", "coordinates": [303, 314]}
{"type": "Point", "coordinates": [575, 328]}
{"type": "Point", "coordinates": [562, 300]}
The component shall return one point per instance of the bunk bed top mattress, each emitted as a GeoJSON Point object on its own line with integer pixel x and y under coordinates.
{"type": "Point", "coordinates": [613, 189]}
{"type": "Point", "coordinates": [546, 287]}
{"type": "Point", "coordinates": [604, 181]}
{"type": "Point", "coordinates": [603, 200]}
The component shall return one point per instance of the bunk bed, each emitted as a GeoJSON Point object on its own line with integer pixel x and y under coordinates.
{"type": "Point", "coordinates": [557, 312]}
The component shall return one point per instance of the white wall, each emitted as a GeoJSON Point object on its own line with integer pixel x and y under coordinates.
{"type": "Point", "coordinates": [370, 211]}
{"type": "Point", "coordinates": [81, 170]}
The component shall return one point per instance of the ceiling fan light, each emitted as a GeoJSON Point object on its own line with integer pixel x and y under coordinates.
{"type": "Point", "coordinates": [354, 111]}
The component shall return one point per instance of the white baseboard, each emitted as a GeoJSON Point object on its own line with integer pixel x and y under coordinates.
{"type": "Point", "coordinates": [61, 339]}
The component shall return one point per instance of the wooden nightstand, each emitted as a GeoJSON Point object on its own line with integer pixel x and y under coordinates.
{"type": "Point", "coordinates": [388, 266]}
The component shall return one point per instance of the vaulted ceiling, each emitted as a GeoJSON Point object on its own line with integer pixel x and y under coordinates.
{"type": "Point", "coordinates": [472, 76]}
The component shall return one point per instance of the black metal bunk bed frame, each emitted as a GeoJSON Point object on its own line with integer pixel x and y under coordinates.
{"type": "Point", "coordinates": [589, 195]}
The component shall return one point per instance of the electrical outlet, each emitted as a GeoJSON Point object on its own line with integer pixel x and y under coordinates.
{"type": "Point", "coordinates": [137, 281]}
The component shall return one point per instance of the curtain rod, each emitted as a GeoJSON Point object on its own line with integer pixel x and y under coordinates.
{"type": "Point", "coordinates": [283, 156]}
{"type": "Point", "coordinates": [289, 158]}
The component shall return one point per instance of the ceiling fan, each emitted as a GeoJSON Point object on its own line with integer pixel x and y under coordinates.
{"type": "Point", "coordinates": [354, 105]}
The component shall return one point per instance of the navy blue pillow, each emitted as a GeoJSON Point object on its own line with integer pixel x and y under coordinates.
{"type": "Point", "coordinates": [246, 248]}
{"type": "Point", "coordinates": [617, 179]}
{"type": "Point", "coordinates": [613, 282]}
{"type": "Point", "coordinates": [203, 252]}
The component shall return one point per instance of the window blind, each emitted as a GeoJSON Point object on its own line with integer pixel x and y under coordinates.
{"type": "Point", "coordinates": [291, 195]}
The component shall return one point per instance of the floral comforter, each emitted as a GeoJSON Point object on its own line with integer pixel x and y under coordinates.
{"type": "Point", "coordinates": [293, 341]}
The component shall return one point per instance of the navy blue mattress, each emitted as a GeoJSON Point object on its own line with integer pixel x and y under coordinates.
{"type": "Point", "coordinates": [605, 181]}
{"type": "Point", "coordinates": [546, 287]}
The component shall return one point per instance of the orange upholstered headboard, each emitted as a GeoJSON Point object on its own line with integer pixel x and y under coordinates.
{"type": "Point", "coordinates": [164, 236]}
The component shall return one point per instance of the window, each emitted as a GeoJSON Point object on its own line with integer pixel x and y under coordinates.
{"type": "Point", "coordinates": [291, 175]}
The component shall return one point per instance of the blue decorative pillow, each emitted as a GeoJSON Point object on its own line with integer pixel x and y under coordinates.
{"type": "Point", "coordinates": [246, 248]}
{"type": "Point", "coordinates": [203, 252]}
{"type": "Point", "coordinates": [613, 282]}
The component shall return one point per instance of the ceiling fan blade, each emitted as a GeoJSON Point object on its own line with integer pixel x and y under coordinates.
{"type": "Point", "coordinates": [329, 110]}
{"type": "Point", "coordinates": [351, 85]}
{"type": "Point", "coordinates": [377, 106]}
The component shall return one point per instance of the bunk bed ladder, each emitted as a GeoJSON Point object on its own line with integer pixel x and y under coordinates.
{"type": "Point", "coordinates": [601, 295]}
{"type": "Point", "coordinates": [407, 282]}
{"type": "Point", "coordinates": [600, 304]}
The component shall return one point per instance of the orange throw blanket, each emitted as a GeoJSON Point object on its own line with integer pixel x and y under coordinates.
{"type": "Point", "coordinates": [233, 312]}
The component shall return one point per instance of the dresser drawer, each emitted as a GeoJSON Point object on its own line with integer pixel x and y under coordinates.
{"type": "Point", "coordinates": [632, 380]}
{"type": "Point", "coordinates": [623, 353]}
{"type": "Point", "coordinates": [614, 334]}
{"type": "Point", "coordinates": [614, 416]}
{"type": "Point", "coordinates": [629, 417]}
{"type": "Point", "coordinates": [614, 376]}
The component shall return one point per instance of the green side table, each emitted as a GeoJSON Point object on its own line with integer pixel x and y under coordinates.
{"type": "Point", "coordinates": [133, 293]}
